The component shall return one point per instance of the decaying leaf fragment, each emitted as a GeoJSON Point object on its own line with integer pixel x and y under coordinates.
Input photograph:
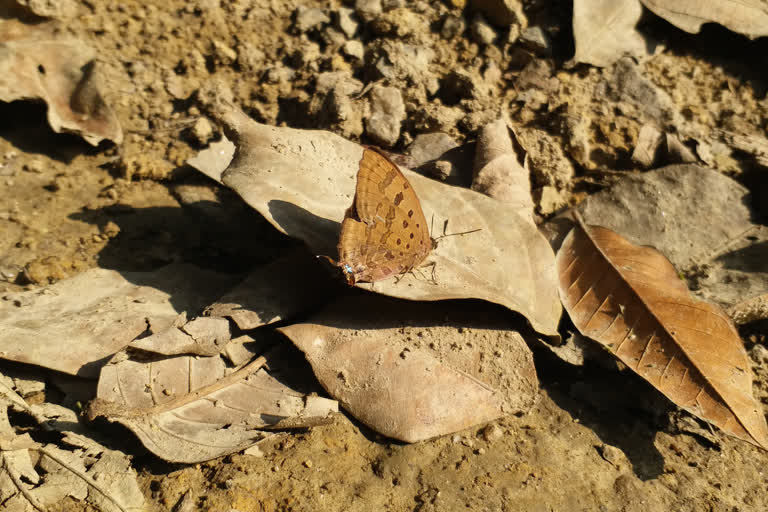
{"type": "Point", "coordinates": [630, 299]}
{"type": "Point", "coordinates": [37, 477]}
{"type": "Point", "coordinates": [302, 181]}
{"type": "Point", "coordinates": [192, 408]}
{"type": "Point", "coordinates": [41, 62]}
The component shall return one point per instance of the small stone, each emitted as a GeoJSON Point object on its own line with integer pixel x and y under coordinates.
{"type": "Point", "coordinates": [492, 433]}
{"type": "Point", "coordinates": [550, 200]}
{"type": "Point", "coordinates": [482, 32]}
{"type": "Point", "coordinates": [35, 166]}
{"type": "Point", "coordinates": [306, 56]}
{"type": "Point", "coordinates": [254, 451]}
{"type": "Point", "coordinates": [501, 13]}
{"type": "Point", "coordinates": [388, 113]}
{"type": "Point", "coordinates": [202, 131]}
{"type": "Point", "coordinates": [452, 26]}
{"type": "Point", "coordinates": [354, 49]}
{"type": "Point", "coordinates": [309, 18]}
{"type": "Point", "coordinates": [368, 10]}
{"type": "Point", "coordinates": [279, 74]}
{"type": "Point", "coordinates": [223, 54]}
{"type": "Point", "coordinates": [441, 170]}
{"type": "Point", "coordinates": [456, 438]}
{"type": "Point", "coordinates": [611, 454]}
{"type": "Point", "coordinates": [430, 146]}
{"type": "Point", "coordinates": [346, 22]}
{"type": "Point", "coordinates": [307, 463]}
{"type": "Point", "coordinates": [647, 146]}
{"type": "Point", "coordinates": [536, 40]}
{"type": "Point", "coordinates": [759, 354]}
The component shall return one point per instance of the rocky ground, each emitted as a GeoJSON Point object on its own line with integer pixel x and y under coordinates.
{"type": "Point", "coordinates": [391, 73]}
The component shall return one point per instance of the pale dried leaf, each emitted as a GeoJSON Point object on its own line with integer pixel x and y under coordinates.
{"type": "Point", "coordinates": [411, 382]}
{"type": "Point", "coordinates": [302, 182]}
{"type": "Point", "coordinates": [41, 62]}
{"type": "Point", "coordinates": [747, 17]}
{"type": "Point", "coordinates": [214, 159]}
{"type": "Point", "coordinates": [499, 171]}
{"type": "Point", "coordinates": [630, 299]}
{"type": "Point", "coordinates": [201, 336]}
{"type": "Point", "coordinates": [724, 256]}
{"type": "Point", "coordinates": [275, 292]}
{"type": "Point", "coordinates": [192, 409]}
{"type": "Point", "coordinates": [73, 325]}
{"type": "Point", "coordinates": [604, 31]}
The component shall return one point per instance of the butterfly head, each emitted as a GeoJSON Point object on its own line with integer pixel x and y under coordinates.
{"type": "Point", "coordinates": [349, 273]}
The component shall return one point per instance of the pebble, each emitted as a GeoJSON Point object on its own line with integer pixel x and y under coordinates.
{"type": "Point", "coordinates": [35, 166]}
{"type": "Point", "coordinates": [308, 18]}
{"type": "Point", "coordinates": [354, 49]}
{"type": "Point", "coordinates": [482, 32]}
{"type": "Point", "coordinates": [452, 26]}
{"type": "Point", "coordinates": [202, 131]}
{"type": "Point", "coordinates": [368, 10]}
{"type": "Point", "coordinates": [536, 40]}
{"type": "Point", "coordinates": [388, 113]}
{"type": "Point", "coordinates": [430, 146]}
{"type": "Point", "coordinates": [346, 22]}
{"type": "Point", "coordinates": [501, 13]}
{"type": "Point", "coordinates": [492, 433]}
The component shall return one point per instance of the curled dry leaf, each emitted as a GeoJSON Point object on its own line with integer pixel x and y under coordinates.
{"type": "Point", "coordinates": [747, 17]}
{"type": "Point", "coordinates": [191, 408]}
{"type": "Point", "coordinates": [74, 325]}
{"type": "Point", "coordinates": [500, 169]}
{"type": "Point", "coordinates": [41, 62]}
{"type": "Point", "coordinates": [629, 298]}
{"type": "Point", "coordinates": [411, 382]}
{"type": "Point", "coordinates": [303, 181]}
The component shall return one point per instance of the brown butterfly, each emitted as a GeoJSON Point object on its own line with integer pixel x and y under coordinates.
{"type": "Point", "coordinates": [384, 232]}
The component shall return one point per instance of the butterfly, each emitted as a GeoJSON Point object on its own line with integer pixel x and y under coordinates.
{"type": "Point", "coordinates": [384, 233]}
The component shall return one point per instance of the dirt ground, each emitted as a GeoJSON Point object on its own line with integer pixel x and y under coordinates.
{"type": "Point", "coordinates": [596, 440]}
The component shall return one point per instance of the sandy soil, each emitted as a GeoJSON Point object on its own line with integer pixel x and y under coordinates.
{"type": "Point", "coordinates": [597, 439]}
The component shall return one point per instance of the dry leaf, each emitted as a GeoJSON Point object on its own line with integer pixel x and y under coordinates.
{"type": "Point", "coordinates": [501, 172]}
{"type": "Point", "coordinates": [604, 31]}
{"type": "Point", "coordinates": [411, 382]}
{"type": "Point", "coordinates": [748, 17]}
{"type": "Point", "coordinates": [302, 181]}
{"type": "Point", "coordinates": [191, 408]}
{"type": "Point", "coordinates": [214, 159]}
{"type": "Point", "coordinates": [724, 256]}
{"type": "Point", "coordinates": [629, 298]}
{"type": "Point", "coordinates": [80, 468]}
{"type": "Point", "coordinates": [74, 325]}
{"type": "Point", "coordinates": [41, 62]}
{"type": "Point", "coordinates": [275, 292]}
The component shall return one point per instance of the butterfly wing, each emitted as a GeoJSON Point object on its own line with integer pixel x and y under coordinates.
{"type": "Point", "coordinates": [384, 232]}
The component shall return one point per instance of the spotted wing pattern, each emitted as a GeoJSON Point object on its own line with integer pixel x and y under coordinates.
{"type": "Point", "coordinates": [384, 232]}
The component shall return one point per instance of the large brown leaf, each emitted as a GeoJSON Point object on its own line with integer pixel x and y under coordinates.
{"type": "Point", "coordinates": [630, 299]}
